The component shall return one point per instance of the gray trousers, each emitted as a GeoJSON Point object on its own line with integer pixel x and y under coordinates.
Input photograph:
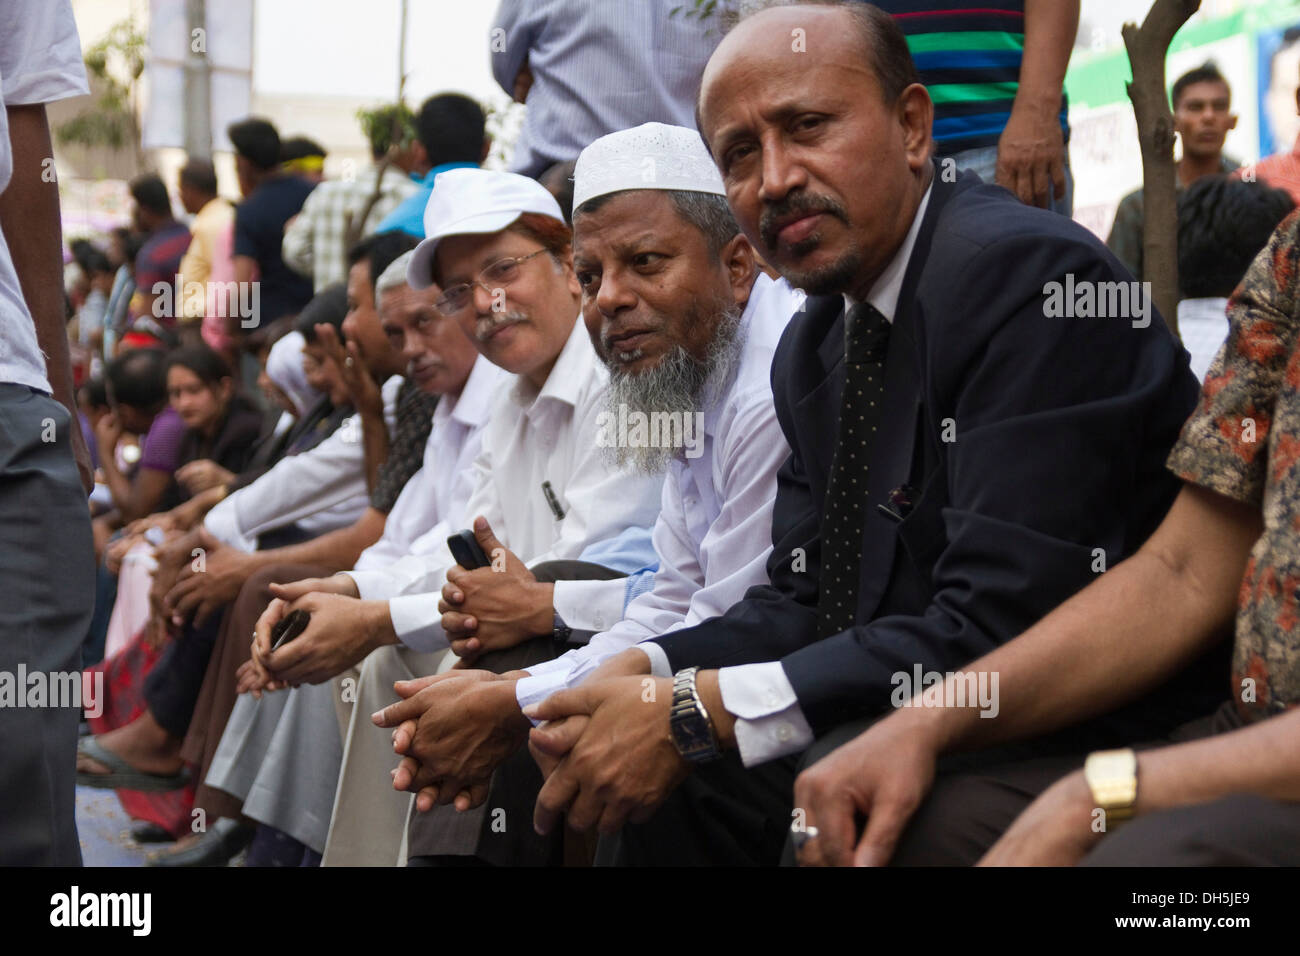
{"type": "Point", "coordinates": [47, 576]}
{"type": "Point", "coordinates": [284, 776]}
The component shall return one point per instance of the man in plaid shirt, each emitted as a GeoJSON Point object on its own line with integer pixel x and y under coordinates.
{"type": "Point", "coordinates": [317, 239]}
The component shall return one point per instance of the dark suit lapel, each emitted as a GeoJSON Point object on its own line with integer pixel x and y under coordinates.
{"type": "Point", "coordinates": [892, 453]}
{"type": "Point", "coordinates": [822, 395]}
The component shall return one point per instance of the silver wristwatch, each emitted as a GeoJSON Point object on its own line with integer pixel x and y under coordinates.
{"type": "Point", "coordinates": [691, 725]}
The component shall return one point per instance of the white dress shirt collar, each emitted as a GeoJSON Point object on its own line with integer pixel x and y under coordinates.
{"type": "Point", "coordinates": [760, 330]}
{"type": "Point", "coordinates": [568, 375]}
{"type": "Point", "coordinates": [474, 403]}
{"type": "Point", "coordinates": [887, 288]}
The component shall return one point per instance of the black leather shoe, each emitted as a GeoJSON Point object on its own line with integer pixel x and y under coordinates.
{"type": "Point", "coordinates": [216, 847]}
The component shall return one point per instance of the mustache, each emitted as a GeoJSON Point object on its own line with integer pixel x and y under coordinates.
{"type": "Point", "coordinates": [606, 337]}
{"type": "Point", "coordinates": [487, 324]}
{"type": "Point", "coordinates": [779, 213]}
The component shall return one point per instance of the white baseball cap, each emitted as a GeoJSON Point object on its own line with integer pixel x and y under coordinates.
{"type": "Point", "coordinates": [474, 202]}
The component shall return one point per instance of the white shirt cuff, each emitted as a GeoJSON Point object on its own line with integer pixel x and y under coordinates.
{"type": "Point", "coordinates": [372, 585]}
{"type": "Point", "coordinates": [659, 665]}
{"type": "Point", "coordinates": [561, 663]}
{"type": "Point", "coordinates": [223, 524]}
{"type": "Point", "coordinates": [417, 622]}
{"type": "Point", "coordinates": [538, 687]}
{"type": "Point", "coordinates": [769, 723]}
{"type": "Point", "coordinates": [590, 606]}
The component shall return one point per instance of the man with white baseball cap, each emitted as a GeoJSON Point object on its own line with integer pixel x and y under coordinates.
{"type": "Point", "coordinates": [544, 492]}
{"type": "Point", "coordinates": [687, 324]}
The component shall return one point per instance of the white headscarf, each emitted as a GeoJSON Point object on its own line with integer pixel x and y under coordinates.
{"type": "Point", "coordinates": [284, 367]}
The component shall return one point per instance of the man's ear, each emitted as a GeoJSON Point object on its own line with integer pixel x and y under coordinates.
{"type": "Point", "coordinates": [570, 274]}
{"type": "Point", "coordinates": [487, 148]}
{"type": "Point", "coordinates": [742, 267]}
{"type": "Point", "coordinates": [916, 116]}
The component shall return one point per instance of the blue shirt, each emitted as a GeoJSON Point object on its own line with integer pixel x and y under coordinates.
{"type": "Point", "coordinates": [408, 217]}
{"type": "Point", "coordinates": [598, 66]}
{"type": "Point", "coordinates": [632, 552]}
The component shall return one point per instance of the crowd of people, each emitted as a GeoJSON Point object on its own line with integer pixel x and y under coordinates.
{"type": "Point", "coordinates": [715, 486]}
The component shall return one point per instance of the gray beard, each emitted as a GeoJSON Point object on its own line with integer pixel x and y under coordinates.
{"type": "Point", "coordinates": [680, 384]}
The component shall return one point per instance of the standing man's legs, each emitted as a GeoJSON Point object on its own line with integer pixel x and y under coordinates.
{"type": "Point", "coordinates": [47, 575]}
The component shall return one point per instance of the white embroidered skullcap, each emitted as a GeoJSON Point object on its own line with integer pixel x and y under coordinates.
{"type": "Point", "coordinates": [651, 156]}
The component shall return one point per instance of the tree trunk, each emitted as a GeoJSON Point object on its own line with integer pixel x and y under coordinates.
{"type": "Point", "coordinates": [1147, 47]}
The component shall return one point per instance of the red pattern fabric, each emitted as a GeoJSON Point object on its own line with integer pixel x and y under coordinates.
{"type": "Point", "coordinates": [124, 676]}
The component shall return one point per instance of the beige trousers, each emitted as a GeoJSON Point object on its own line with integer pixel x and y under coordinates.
{"type": "Point", "coordinates": [368, 826]}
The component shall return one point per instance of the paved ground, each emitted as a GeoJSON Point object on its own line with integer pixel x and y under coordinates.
{"type": "Point", "coordinates": [105, 832]}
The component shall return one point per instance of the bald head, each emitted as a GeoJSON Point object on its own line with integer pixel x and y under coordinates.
{"type": "Point", "coordinates": [786, 24]}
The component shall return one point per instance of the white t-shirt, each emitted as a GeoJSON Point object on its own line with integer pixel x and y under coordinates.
{"type": "Point", "coordinates": [40, 61]}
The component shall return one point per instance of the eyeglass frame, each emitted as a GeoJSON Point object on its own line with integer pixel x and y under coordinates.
{"type": "Point", "coordinates": [478, 282]}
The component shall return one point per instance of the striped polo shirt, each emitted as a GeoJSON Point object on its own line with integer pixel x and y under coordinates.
{"type": "Point", "coordinates": [969, 59]}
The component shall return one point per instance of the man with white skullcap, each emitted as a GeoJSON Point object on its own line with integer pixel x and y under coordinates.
{"type": "Point", "coordinates": [687, 325]}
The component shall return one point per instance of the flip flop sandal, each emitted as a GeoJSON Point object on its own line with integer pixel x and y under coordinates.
{"type": "Point", "coordinates": [121, 775]}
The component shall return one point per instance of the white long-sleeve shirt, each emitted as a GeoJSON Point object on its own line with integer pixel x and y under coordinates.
{"type": "Point", "coordinates": [320, 490]}
{"type": "Point", "coordinates": [437, 494]}
{"type": "Point", "coordinates": [532, 437]}
{"type": "Point", "coordinates": [714, 532]}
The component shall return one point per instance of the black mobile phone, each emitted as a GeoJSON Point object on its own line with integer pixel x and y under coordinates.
{"type": "Point", "coordinates": [289, 627]}
{"type": "Point", "coordinates": [467, 551]}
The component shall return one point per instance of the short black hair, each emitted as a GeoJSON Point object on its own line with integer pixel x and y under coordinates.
{"type": "Point", "coordinates": [380, 251]}
{"type": "Point", "coordinates": [82, 250]}
{"type": "Point", "coordinates": [329, 307]}
{"type": "Point", "coordinates": [200, 174]}
{"type": "Point", "coordinates": [1205, 73]}
{"type": "Point", "coordinates": [149, 193]}
{"type": "Point", "coordinates": [300, 147]}
{"type": "Point", "coordinates": [1223, 223]}
{"type": "Point", "coordinates": [93, 392]}
{"type": "Point", "coordinates": [263, 337]}
{"type": "Point", "coordinates": [707, 212]}
{"type": "Point", "coordinates": [257, 141]}
{"type": "Point", "coordinates": [138, 378]}
{"type": "Point", "coordinates": [97, 262]}
{"type": "Point", "coordinates": [210, 367]}
{"type": "Point", "coordinates": [452, 128]}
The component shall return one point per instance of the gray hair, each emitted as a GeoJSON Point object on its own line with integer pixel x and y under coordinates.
{"type": "Point", "coordinates": [393, 276]}
{"type": "Point", "coordinates": [707, 212]}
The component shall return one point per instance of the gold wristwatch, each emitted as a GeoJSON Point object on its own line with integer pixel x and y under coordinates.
{"type": "Point", "coordinates": [1112, 778]}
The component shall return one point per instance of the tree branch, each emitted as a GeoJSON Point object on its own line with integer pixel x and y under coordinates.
{"type": "Point", "coordinates": [1147, 47]}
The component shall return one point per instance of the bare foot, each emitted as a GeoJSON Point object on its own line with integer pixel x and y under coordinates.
{"type": "Point", "coordinates": [143, 744]}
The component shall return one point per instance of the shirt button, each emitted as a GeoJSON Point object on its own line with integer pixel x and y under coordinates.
{"type": "Point", "coordinates": [784, 732]}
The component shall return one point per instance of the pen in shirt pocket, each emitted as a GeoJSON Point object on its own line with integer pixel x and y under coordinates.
{"type": "Point", "coordinates": [552, 501]}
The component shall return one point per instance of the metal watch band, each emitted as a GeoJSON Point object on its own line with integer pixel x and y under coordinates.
{"type": "Point", "coordinates": [689, 720]}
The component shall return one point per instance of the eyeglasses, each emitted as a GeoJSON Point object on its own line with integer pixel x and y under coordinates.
{"type": "Point", "coordinates": [496, 276]}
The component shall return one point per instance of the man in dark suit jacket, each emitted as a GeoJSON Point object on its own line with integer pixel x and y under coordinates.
{"type": "Point", "coordinates": [1018, 452]}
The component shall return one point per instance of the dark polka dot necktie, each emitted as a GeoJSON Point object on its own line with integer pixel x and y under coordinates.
{"type": "Point", "coordinates": [866, 338]}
